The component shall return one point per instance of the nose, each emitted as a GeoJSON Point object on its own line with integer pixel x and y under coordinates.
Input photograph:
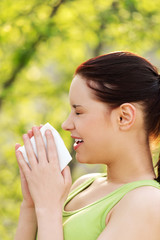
{"type": "Point", "coordinates": [68, 124]}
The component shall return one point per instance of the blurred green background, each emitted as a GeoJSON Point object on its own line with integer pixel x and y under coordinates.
{"type": "Point", "coordinates": [41, 44]}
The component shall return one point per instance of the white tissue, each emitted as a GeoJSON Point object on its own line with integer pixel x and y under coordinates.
{"type": "Point", "coordinates": [63, 154]}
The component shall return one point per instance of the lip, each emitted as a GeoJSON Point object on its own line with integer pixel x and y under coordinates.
{"type": "Point", "coordinates": [75, 137]}
{"type": "Point", "coordinates": [75, 147]}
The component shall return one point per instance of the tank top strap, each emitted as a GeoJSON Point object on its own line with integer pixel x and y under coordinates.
{"type": "Point", "coordinates": [136, 184]}
{"type": "Point", "coordinates": [119, 193]}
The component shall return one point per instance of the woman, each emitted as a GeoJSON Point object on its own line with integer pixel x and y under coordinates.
{"type": "Point", "coordinates": [115, 113]}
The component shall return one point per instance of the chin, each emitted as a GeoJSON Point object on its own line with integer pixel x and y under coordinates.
{"type": "Point", "coordinates": [83, 159]}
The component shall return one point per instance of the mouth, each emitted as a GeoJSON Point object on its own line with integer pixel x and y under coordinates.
{"type": "Point", "coordinates": [77, 143]}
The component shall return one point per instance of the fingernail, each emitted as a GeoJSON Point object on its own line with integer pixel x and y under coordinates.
{"type": "Point", "coordinates": [48, 132]}
{"type": "Point", "coordinates": [25, 136]}
{"type": "Point", "coordinates": [35, 129]}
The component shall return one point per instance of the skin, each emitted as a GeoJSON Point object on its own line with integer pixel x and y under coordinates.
{"type": "Point", "coordinates": [122, 126]}
{"type": "Point", "coordinates": [44, 212]}
{"type": "Point", "coordinates": [127, 157]}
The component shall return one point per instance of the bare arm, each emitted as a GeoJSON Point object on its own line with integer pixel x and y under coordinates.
{"type": "Point", "coordinates": [27, 225]}
{"type": "Point", "coordinates": [136, 216]}
{"type": "Point", "coordinates": [48, 186]}
{"type": "Point", "coordinates": [50, 224]}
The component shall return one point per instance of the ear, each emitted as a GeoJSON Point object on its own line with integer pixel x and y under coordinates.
{"type": "Point", "coordinates": [126, 116]}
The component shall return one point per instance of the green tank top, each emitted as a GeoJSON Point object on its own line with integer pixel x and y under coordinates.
{"type": "Point", "coordinates": [88, 222]}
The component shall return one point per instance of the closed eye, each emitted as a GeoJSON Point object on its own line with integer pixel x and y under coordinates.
{"type": "Point", "coordinates": [77, 113]}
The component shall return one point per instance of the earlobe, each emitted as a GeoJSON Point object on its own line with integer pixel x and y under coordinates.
{"type": "Point", "coordinates": [127, 116]}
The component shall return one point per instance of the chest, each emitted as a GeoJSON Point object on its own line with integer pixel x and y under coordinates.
{"type": "Point", "coordinates": [91, 194]}
{"type": "Point", "coordinates": [87, 223]}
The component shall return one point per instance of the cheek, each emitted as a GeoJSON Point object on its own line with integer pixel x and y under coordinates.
{"type": "Point", "coordinates": [98, 137]}
{"type": "Point", "coordinates": [94, 130]}
{"type": "Point", "coordinates": [101, 137]}
{"type": "Point", "coordinates": [82, 125]}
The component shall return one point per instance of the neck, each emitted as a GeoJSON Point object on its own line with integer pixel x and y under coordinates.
{"type": "Point", "coordinates": [132, 165]}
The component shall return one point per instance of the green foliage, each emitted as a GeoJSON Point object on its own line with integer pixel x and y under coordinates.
{"type": "Point", "coordinates": [42, 42]}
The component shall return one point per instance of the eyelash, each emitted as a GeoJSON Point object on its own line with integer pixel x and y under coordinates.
{"type": "Point", "coordinates": [77, 113]}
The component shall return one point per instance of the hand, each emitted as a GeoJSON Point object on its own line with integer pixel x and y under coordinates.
{"type": "Point", "coordinates": [47, 185]}
{"type": "Point", "coordinates": [27, 199]}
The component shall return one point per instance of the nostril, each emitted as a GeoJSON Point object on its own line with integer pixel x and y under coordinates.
{"type": "Point", "coordinates": [65, 126]}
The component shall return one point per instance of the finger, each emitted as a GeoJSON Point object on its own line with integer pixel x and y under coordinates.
{"type": "Point", "coordinates": [51, 149]}
{"type": "Point", "coordinates": [23, 166]}
{"type": "Point", "coordinates": [17, 146]}
{"type": "Point", "coordinates": [67, 176]}
{"type": "Point", "coordinates": [40, 146]}
{"type": "Point", "coordinates": [30, 133]}
{"type": "Point", "coordinates": [21, 172]}
{"type": "Point", "coordinates": [29, 151]}
{"type": "Point", "coordinates": [23, 178]}
{"type": "Point", "coordinates": [20, 169]}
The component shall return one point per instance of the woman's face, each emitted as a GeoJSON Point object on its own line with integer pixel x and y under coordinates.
{"type": "Point", "coordinates": [91, 122]}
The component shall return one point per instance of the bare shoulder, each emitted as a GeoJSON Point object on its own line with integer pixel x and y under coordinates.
{"type": "Point", "coordinates": [136, 216]}
{"type": "Point", "coordinates": [82, 179]}
{"type": "Point", "coordinates": [143, 202]}
{"type": "Point", "coordinates": [144, 196]}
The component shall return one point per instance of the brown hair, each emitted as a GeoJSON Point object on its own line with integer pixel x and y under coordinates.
{"type": "Point", "coordinates": [126, 77]}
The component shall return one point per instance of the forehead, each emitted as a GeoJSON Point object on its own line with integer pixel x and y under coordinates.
{"type": "Point", "coordinates": [81, 94]}
{"type": "Point", "coordinates": [79, 90]}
